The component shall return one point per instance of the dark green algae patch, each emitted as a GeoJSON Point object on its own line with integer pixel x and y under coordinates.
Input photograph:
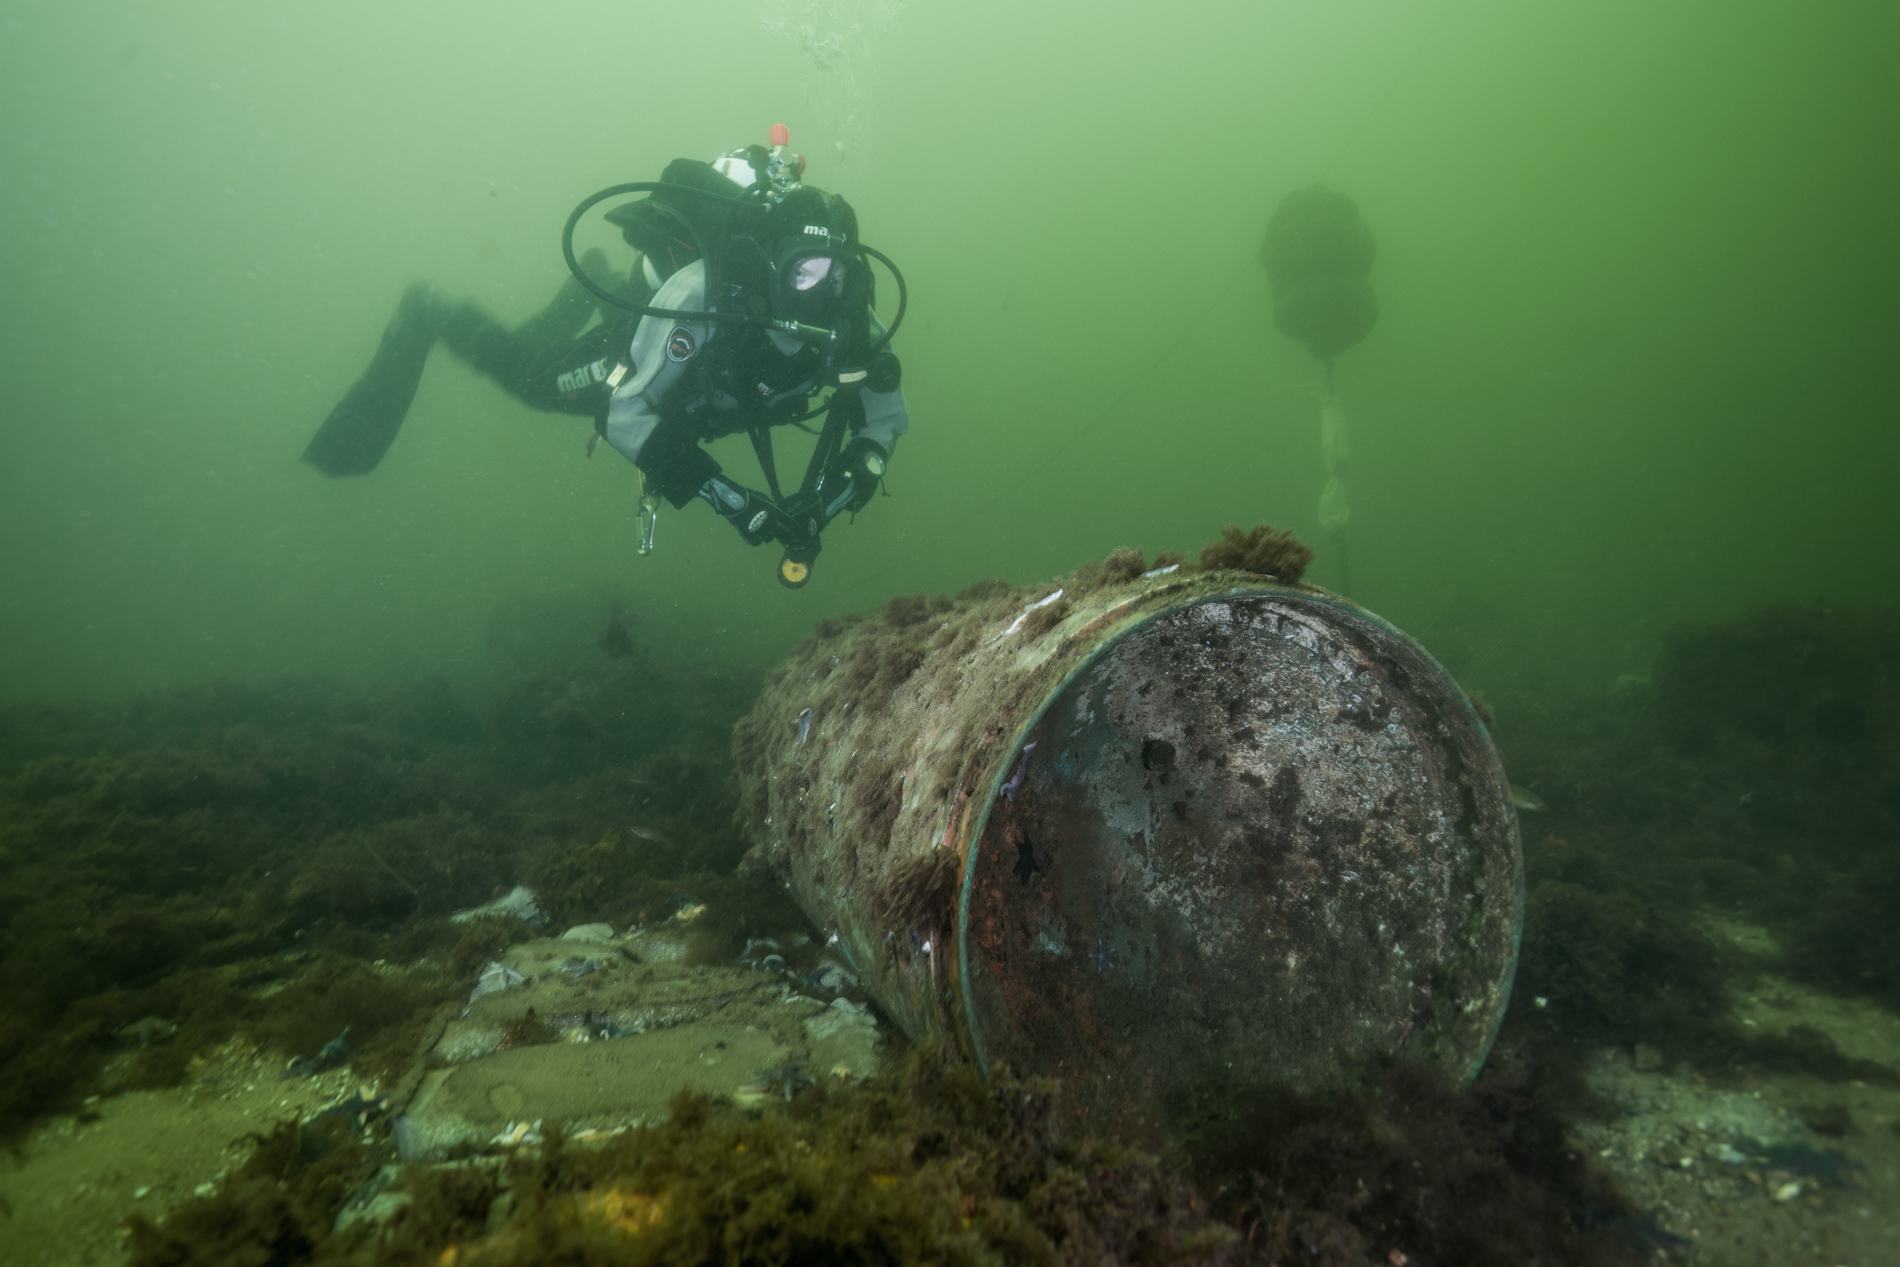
{"type": "Point", "coordinates": [278, 862]}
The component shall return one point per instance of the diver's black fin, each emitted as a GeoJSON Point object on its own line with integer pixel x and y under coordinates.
{"type": "Point", "coordinates": [353, 439]}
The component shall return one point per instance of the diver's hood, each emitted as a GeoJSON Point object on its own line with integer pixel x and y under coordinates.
{"type": "Point", "coordinates": [819, 276]}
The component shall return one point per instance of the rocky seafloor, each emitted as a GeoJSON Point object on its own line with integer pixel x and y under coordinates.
{"type": "Point", "coordinates": [208, 888]}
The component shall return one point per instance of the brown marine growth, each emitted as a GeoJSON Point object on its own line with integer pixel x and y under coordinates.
{"type": "Point", "coordinates": [1264, 551]}
{"type": "Point", "coordinates": [930, 1167]}
{"type": "Point", "coordinates": [935, 1166]}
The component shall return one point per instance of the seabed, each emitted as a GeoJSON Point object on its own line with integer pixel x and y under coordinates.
{"type": "Point", "coordinates": [1701, 1061]}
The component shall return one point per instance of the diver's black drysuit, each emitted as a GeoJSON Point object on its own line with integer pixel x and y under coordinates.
{"type": "Point", "coordinates": [794, 317]}
{"type": "Point", "coordinates": [544, 361]}
{"type": "Point", "coordinates": [656, 388]}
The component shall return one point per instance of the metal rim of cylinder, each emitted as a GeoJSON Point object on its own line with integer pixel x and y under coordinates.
{"type": "Point", "coordinates": [978, 824]}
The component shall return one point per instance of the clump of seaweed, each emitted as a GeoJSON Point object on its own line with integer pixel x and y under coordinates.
{"type": "Point", "coordinates": [921, 892]}
{"type": "Point", "coordinates": [1739, 783]}
{"type": "Point", "coordinates": [1264, 551]}
{"type": "Point", "coordinates": [1121, 565]}
{"type": "Point", "coordinates": [1043, 619]}
{"type": "Point", "coordinates": [276, 1208]}
{"type": "Point", "coordinates": [742, 904]}
{"type": "Point", "coordinates": [616, 875]}
{"type": "Point", "coordinates": [878, 797]}
{"type": "Point", "coordinates": [1627, 969]}
{"type": "Point", "coordinates": [978, 591]}
{"type": "Point", "coordinates": [896, 663]}
{"type": "Point", "coordinates": [935, 1165]}
{"type": "Point", "coordinates": [932, 1166]}
{"type": "Point", "coordinates": [1124, 564]}
{"type": "Point", "coordinates": [1624, 968]}
{"type": "Point", "coordinates": [910, 609]}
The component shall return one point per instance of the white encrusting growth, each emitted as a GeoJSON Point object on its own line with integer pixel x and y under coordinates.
{"type": "Point", "coordinates": [1041, 602]}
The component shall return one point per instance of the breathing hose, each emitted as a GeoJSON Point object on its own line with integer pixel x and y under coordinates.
{"type": "Point", "coordinates": [812, 334]}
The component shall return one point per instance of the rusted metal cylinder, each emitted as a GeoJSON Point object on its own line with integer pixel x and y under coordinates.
{"type": "Point", "coordinates": [1148, 835]}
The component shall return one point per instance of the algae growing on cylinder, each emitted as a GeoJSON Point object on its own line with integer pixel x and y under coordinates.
{"type": "Point", "coordinates": [1280, 825]}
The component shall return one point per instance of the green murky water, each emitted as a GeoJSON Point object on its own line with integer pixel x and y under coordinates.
{"type": "Point", "coordinates": [1635, 266]}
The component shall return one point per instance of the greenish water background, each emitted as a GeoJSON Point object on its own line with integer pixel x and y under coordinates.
{"type": "Point", "coordinates": [1635, 365]}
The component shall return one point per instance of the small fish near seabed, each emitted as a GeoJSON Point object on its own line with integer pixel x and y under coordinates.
{"type": "Point", "coordinates": [1525, 799]}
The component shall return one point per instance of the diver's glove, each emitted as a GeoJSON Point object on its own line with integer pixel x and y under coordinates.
{"type": "Point", "coordinates": [755, 515]}
{"type": "Point", "coordinates": [804, 518]}
{"type": "Point", "coordinates": [849, 483]}
{"type": "Point", "coordinates": [851, 480]}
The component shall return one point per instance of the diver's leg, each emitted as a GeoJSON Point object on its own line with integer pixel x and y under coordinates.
{"type": "Point", "coordinates": [353, 439]}
{"type": "Point", "coordinates": [566, 314]}
{"type": "Point", "coordinates": [520, 359]}
{"type": "Point", "coordinates": [477, 337]}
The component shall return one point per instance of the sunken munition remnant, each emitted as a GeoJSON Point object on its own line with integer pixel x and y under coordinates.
{"type": "Point", "coordinates": [1260, 837]}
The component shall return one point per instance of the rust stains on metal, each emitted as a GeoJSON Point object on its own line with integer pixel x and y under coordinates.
{"type": "Point", "coordinates": [1261, 834]}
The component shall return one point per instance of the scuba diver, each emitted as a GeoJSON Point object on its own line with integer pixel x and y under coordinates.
{"type": "Point", "coordinates": [751, 295]}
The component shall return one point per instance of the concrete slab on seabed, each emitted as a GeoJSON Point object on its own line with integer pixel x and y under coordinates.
{"type": "Point", "coordinates": [708, 1028]}
{"type": "Point", "coordinates": [598, 1084]}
